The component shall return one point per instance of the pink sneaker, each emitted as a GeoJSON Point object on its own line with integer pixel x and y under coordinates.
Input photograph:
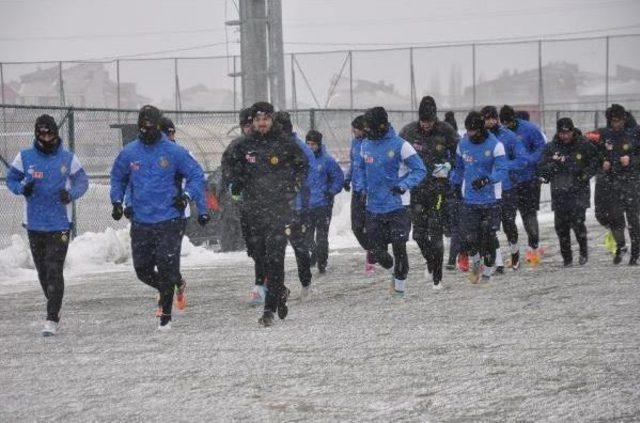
{"type": "Point", "coordinates": [369, 266]}
{"type": "Point", "coordinates": [369, 269]}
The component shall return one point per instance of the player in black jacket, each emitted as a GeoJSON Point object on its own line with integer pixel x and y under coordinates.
{"type": "Point", "coordinates": [268, 169]}
{"type": "Point", "coordinates": [568, 163]}
{"type": "Point", "coordinates": [435, 142]}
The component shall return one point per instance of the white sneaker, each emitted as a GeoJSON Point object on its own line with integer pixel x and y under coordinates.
{"type": "Point", "coordinates": [257, 295]}
{"type": "Point", "coordinates": [50, 328]}
{"type": "Point", "coordinates": [437, 287]}
{"type": "Point", "coordinates": [305, 292]}
{"type": "Point", "coordinates": [165, 328]}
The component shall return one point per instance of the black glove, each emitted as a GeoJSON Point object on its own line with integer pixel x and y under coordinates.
{"type": "Point", "coordinates": [455, 192]}
{"type": "Point", "coordinates": [347, 186]}
{"type": "Point", "coordinates": [117, 211]}
{"type": "Point", "coordinates": [128, 212]}
{"type": "Point", "coordinates": [27, 189]}
{"type": "Point", "coordinates": [398, 190]}
{"type": "Point", "coordinates": [181, 202]}
{"type": "Point", "coordinates": [480, 183]}
{"type": "Point", "coordinates": [203, 219]}
{"type": "Point", "coordinates": [328, 195]}
{"type": "Point", "coordinates": [65, 196]}
{"type": "Point", "coordinates": [581, 175]}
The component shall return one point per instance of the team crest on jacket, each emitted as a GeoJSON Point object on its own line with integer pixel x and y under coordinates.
{"type": "Point", "coordinates": [625, 147]}
{"type": "Point", "coordinates": [36, 174]}
{"type": "Point", "coordinates": [468, 158]}
{"type": "Point", "coordinates": [439, 147]}
{"type": "Point", "coordinates": [134, 166]}
{"type": "Point", "coordinates": [391, 153]}
{"type": "Point", "coordinates": [250, 158]}
{"type": "Point", "coordinates": [274, 160]}
{"type": "Point", "coordinates": [64, 237]}
{"type": "Point", "coordinates": [487, 153]}
{"type": "Point", "coordinates": [578, 156]}
{"type": "Point", "coordinates": [63, 169]}
{"type": "Point", "coordinates": [163, 162]}
{"type": "Point", "coordinates": [368, 159]}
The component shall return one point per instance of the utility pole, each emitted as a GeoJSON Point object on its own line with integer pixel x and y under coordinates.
{"type": "Point", "coordinates": [261, 52]}
{"type": "Point", "coordinates": [253, 51]}
{"type": "Point", "coordinates": [276, 54]}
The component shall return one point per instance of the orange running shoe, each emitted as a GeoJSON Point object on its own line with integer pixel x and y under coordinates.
{"type": "Point", "coordinates": [158, 306]}
{"type": "Point", "coordinates": [533, 256]}
{"type": "Point", "coordinates": [463, 262]}
{"type": "Point", "coordinates": [181, 297]}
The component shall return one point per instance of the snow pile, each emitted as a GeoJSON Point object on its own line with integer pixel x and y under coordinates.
{"type": "Point", "coordinates": [15, 260]}
{"type": "Point", "coordinates": [93, 252]}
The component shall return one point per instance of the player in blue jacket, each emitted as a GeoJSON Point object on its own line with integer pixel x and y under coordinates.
{"type": "Point", "coordinates": [50, 178]}
{"type": "Point", "coordinates": [516, 161]}
{"type": "Point", "coordinates": [527, 183]}
{"type": "Point", "coordinates": [151, 165]}
{"type": "Point", "coordinates": [324, 184]}
{"type": "Point", "coordinates": [481, 168]}
{"type": "Point", "coordinates": [358, 197]}
{"type": "Point", "coordinates": [301, 220]}
{"type": "Point", "coordinates": [389, 167]}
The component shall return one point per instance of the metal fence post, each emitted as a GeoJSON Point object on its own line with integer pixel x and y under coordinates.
{"type": "Point", "coordinates": [118, 90]}
{"type": "Point", "coordinates": [61, 82]}
{"type": "Point", "coordinates": [312, 119]}
{"type": "Point", "coordinates": [4, 113]}
{"type": "Point", "coordinates": [412, 77]}
{"type": "Point", "coordinates": [606, 81]}
{"type": "Point", "coordinates": [473, 67]}
{"type": "Point", "coordinates": [351, 81]}
{"type": "Point", "coordinates": [595, 120]}
{"type": "Point", "coordinates": [71, 138]}
{"type": "Point", "coordinates": [540, 86]}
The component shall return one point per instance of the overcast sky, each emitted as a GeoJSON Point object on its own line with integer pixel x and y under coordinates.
{"type": "Point", "coordinates": [33, 30]}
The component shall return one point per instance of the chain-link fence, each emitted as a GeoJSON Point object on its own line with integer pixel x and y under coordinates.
{"type": "Point", "coordinates": [95, 135]}
{"type": "Point", "coordinates": [561, 74]}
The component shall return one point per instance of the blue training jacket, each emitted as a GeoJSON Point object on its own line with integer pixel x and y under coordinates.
{"type": "Point", "coordinates": [52, 173]}
{"type": "Point", "coordinates": [386, 163]}
{"type": "Point", "coordinates": [516, 156]}
{"type": "Point", "coordinates": [533, 142]}
{"type": "Point", "coordinates": [354, 179]}
{"type": "Point", "coordinates": [303, 197]}
{"type": "Point", "coordinates": [474, 161]}
{"type": "Point", "coordinates": [152, 171]}
{"type": "Point", "coordinates": [326, 179]}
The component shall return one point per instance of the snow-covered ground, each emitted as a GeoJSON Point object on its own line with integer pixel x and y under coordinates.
{"type": "Point", "coordinates": [546, 343]}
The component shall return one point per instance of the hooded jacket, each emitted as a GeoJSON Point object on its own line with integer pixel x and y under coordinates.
{"type": "Point", "coordinates": [152, 170]}
{"type": "Point", "coordinates": [384, 164]}
{"type": "Point", "coordinates": [52, 173]}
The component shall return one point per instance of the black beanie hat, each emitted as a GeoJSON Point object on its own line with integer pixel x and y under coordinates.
{"type": "Point", "coordinates": [428, 110]}
{"type": "Point", "coordinates": [48, 122]}
{"type": "Point", "coordinates": [166, 124]}
{"type": "Point", "coordinates": [245, 116]}
{"type": "Point", "coordinates": [474, 121]}
{"type": "Point", "coordinates": [284, 119]}
{"type": "Point", "coordinates": [377, 122]}
{"type": "Point", "coordinates": [261, 107]}
{"type": "Point", "coordinates": [565, 124]}
{"type": "Point", "coordinates": [616, 111]}
{"type": "Point", "coordinates": [150, 114]}
{"type": "Point", "coordinates": [358, 122]}
{"type": "Point", "coordinates": [489, 112]}
{"type": "Point", "coordinates": [507, 114]}
{"type": "Point", "coordinates": [314, 136]}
